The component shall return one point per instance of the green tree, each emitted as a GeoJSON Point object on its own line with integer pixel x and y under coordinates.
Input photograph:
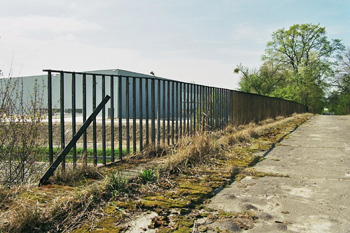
{"type": "Point", "coordinates": [262, 81]}
{"type": "Point", "coordinates": [299, 64]}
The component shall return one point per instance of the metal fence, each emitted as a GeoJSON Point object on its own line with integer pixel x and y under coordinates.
{"type": "Point", "coordinates": [247, 107]}
{"type": "Point", "coordinates": [143, 111]}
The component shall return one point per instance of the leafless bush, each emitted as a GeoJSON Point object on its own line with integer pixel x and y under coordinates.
{"type": "Point", "coordinates": [20, 120]}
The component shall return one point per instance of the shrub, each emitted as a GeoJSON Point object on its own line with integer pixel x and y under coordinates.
{"type": "Point", "coordinates": [20, 125]}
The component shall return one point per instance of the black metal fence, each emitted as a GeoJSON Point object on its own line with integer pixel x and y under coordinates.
{"type": "Point", "coordinates": [143, 111]}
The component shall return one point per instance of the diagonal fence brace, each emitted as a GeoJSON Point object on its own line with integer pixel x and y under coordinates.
{"type": "Point", "coordinates": [72, 142]}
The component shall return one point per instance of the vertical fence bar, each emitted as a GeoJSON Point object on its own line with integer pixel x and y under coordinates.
{"type": "Point", "coordinates": [220, 107]}
{"type": "Point", "coordinates": [94, 132]}
{"type": "Point", "coordinates": [62, 116]}
{"type": "Point", "coordinates": [84, 119]}
{"type": "Point", "coordinates": [172, 113]}
{"type": "Point", "coordinates": [103, 121]}
{"type": "Point", "coordinates": [153, 111]}
{"type": "Point", "coordinates": [211, 108]}
{"type": "Point", "coordinates": [188, 109]}
{"type": "Point", "coordinates": [204, 114]}
{"type": "Point", "coordinates": [134, 115]}
{"type": "Point", "coordinates": [228, 107]}
{"type": "Point", "coordinates": [163, 111]}
{"type": "Point", "coordinates": [141, 113]}
{"type": "Point", "coordinates": [180, 108]}
{"type": "Point", "coordinates": [227, 103]}
{"type": "Point", "coordinates": [147, 112]}
{"type": "Point", "coordinates": [206, 107]}
{"type": "Point", "coordinates": [127, 109]}
{"type": "Point", "coordinates": [194, 107]}
{"type": "Point", "coordinates": [158, 112]}
{"type": "Point", "coordinates": [112, 117]}
{"type": "Point", "coordinates": [49, 108]}
{"type": "Point", "coordinates": [200, 106]}
{"type": "Point", "coordinates": [120, 116]}
{"type": "Point", "coordinates": [216, 110]}
{"type": "Point", "coordinates": [168, 112]}
{"type": "Point", "coordinates": [184, 113]}
{"type": "Point", "coordinates": [177, 112]}
{"type": "Point", "coordinates": [223, 108]}
{"type": "Point", "coordinates": [74, 121]}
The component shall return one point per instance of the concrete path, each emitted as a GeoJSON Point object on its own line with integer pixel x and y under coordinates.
{"type": "Point", "coordinates": [316, 195]}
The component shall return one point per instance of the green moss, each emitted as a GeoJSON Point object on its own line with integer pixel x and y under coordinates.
{"type": "Point", "coordinates": [104, 225]}
{"type": "Point", "coordinates": [151, 202]}
{"type": "Point", "coordinates": [185, 223]}
{"type": "Point", "coordinates": [83, 229]}
{"type": "Point", "coordinates": [226, 215]}
{"type": "Point", "coordinates": [164, 230]}
{"type": "Point", "coordinates": [111, 210]}
{"type": "Point", "coordinates": [239, 177]}
{"type": "Point", "coordinates": [183, 230]}
{"type": "Point", "coordinates": [240, 162]}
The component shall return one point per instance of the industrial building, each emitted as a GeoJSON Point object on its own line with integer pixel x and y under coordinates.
{"type": "Point", "coordinates": [129, 98]}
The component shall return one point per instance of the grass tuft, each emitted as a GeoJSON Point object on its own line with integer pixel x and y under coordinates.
{"type": "Point", "coordinates": [147, 175]}
{"type": "Point", "coordinates": [116, 184]}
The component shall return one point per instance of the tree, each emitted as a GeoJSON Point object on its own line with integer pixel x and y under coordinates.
{"type": "Point", "coordinates": [342, 82]}
{"type": "Point", "coordinates": [296, 46]}
{"type": "Point", "coordinates": [262, 81]}
{"type": "Point", "coordinates": [339, 99]}
{"type": "Point", "coordinates": [299, 64]}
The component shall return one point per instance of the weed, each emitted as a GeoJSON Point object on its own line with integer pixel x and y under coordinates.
{"type": "Point", "coordinates": [147, 175]}
{"type": "Point", "coordinates": [116, 184]}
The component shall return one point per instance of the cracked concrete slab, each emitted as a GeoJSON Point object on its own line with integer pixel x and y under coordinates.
{"type": "Point", "coordinates": [316, 195]}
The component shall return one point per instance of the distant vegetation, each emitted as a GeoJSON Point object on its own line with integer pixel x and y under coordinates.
{"type": "Point", "coordinates": [301, 64]}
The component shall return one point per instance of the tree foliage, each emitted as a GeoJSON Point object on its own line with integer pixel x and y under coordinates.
{"type": "Point", "coordinates": [298, 64]}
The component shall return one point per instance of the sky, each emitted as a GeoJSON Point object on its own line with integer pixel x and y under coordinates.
{"type": "Point", "coordinates": [200, 41]}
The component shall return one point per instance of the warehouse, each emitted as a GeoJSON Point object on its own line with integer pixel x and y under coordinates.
{"type": "Point", "coordinates": [130, 94]}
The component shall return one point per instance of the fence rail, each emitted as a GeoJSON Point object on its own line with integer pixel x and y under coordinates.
{"type": "Point", "coordinates": [144, 111]}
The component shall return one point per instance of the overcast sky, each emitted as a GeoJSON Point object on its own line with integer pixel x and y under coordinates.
{"type": "Point", "coordinates": [198, 41]}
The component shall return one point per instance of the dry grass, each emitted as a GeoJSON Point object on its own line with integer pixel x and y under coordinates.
{"type": "Point", "coordinates": [206, 146]}
{"type": "Point", "coordinates": [192, 151]}
{"type": "Point", "coordinates": [73, 177]}
{"type": "Point", "coordinates": [50, 208]}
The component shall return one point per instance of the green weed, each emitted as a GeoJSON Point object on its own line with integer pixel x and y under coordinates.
{"type": "Point", "coordinates": [116, 184]}
{"type": "Point", "coordinates": [147, 175]}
